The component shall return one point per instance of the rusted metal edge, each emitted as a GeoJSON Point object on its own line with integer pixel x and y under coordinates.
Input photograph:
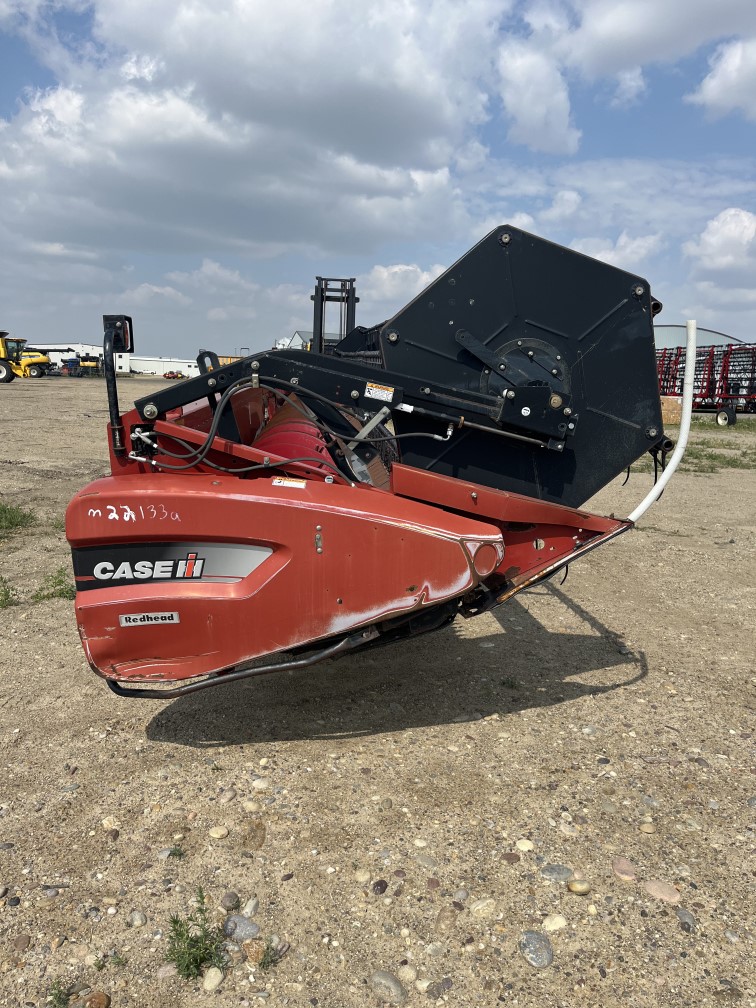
{"type": "Point", "coordinates": [234, 675]}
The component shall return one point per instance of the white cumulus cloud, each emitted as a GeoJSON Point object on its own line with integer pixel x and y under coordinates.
{"type": "Point", "coordinates": [730, 86]}
{"type": "Point", "coordinates": [536, 99]}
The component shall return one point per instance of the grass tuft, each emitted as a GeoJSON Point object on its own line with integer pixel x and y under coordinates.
{"type": "Point", "coordinates": [57, 585]}
{"type": "Point", "coordinates": [57, 996]}
{"type": "Point", "coordinates": [7, 594]}
{"type": "Point", "coordinates": [194, 943]}
{"type": "Point", "coordinates": [273, 955]}
{"type": "Point", "coordinates": [13, 518]}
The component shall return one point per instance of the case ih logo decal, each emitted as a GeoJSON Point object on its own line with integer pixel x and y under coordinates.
{"type": "Point", "coordinates": [117, 566]}
{"type": "Point", "coordinates": [146, 570]}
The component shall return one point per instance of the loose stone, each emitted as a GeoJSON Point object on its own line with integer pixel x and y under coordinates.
{"type": "Point", "coordinates": [624, 869]}
{"type": "Point", "coordinates": [579, 886]}
{"type": "Point", "coordinates": [218, 832]}
{"type": "Point", "coordinates": [253, 836]}
{"type": "Point", "coordinates": [21, 943]}
{"type": "Point", "coordinates": [485, 907]}
{"type": "Point", "coordinates": [362, 875]}
{"type": "Point", "coordinates": [446, 920]}
{"type": "Point", "coordinates": [407, 973]}
{"type": "Point", "coordinates": [379, 887]}
{"type": "Point", "coordinates": [251, 907]}
{"type": "Point", "coordinates": [439, 988]}
{"type": "Point", "coordinates": [751, 803]}
{"type": "Point", "coordinates": [230, 901]}
{"type": "Point", "coordinates": [167, 971]}
{"type": "Point", "coordinates": [253, 950]}
{"type": "Point", "coordinates": [687, 921]}
{"type": "Point", "coordinates": [137, 919]}
{"type": "Point", "coordinates": [435, 949]}
{"type": "Point", "coordinates": [226, 796]}
{"type": "Point", "coordinates": [97, 999]}
{"type": "Point", "coordinates": [388, 987]}
{"type": "Point", "coordinates": [536, 949]}
{"type": "Point", "coordinates": [661, 891]}
{"type": "Point", "coordinates": [524, 845]}
{"type": "Point", "coordinates": [556, 872]}
{"type": "Point", "coordinates": [261, 784]}
{"type": "Point", "coordinates": [212, 979]}
{"type": "Point", "coordinates": [240, 928]}
{"type": "Point", "coordinates": [554, 922]}
{"type": "Point", "coordinates": [647, 827]}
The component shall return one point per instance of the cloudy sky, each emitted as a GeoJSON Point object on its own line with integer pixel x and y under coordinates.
{"type": "Point", "coordinates": [196, 164]}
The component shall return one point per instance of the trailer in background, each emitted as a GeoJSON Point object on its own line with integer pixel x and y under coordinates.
{"type": "Point", "coordinates": [725, 378]}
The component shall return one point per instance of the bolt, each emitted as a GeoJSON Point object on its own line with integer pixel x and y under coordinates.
{"type": "Point", "coordinates": [519, 342]}
{"type": "Point", "coordinates": [510, 394]}
{"type": "Point", "coordinates": [318, 528]}
{"type": "Point", "coordinates": [567, 411]}
{"type": "Point", "coordinates": [474, 495]}
{"type": "Point", "coordinates": [530, 354]}
{"type": "Point", "coordinates": [558, 357]}
{"type": "Point", "coordinates": [471, 301]}
{"type": "Point", "coordinates": [638, 290]}
{"type": "Point", "coordinates": [525, 411]}
{"type": "Point", "coordinates": [212, 382]}
{"type": "Point", "coordinates": [505, 239]}
{"type": "Point", "coordinates": [571, 426]}
{"type": "Point", "coordinates": [319, 549]}
{"type": "Point", "coordinates": [150, 411]}
{"type": "Point", "coordinates": [393, 337]}
{"type": "Point", "coordinates": [295, 381]}
{"type": "Point", "coordinates": [354, 394]}
{"type": "Point", "coordinates": [502, 367]}
{"type": "Point", "coordinates": [486, 370]}
{"type": "Point", "coordinates": [555, 401]}
{"type": "Point", "coordinates": [426, 390]}
{"type": "Point", "coordinates": [254, 366]}
{"type": "Point", "coordinates": [554, 371]}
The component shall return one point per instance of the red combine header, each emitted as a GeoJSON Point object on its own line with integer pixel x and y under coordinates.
{"type": "Point", "coordinates": [292, 506]}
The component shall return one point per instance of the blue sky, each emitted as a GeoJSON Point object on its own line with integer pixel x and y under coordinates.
{"type": "Point", "coordinates": [196, 164]}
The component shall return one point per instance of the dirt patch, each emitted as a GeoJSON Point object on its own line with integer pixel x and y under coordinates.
{"type": "Point", "coordinates": [406, 817]}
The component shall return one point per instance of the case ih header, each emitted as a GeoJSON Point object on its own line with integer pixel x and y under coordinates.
{"type": "Point", "coordinates": [295, 506]}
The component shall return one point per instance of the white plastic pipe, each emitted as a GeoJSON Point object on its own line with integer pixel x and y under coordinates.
{"type": "Point", "coordinates": [682, 441]}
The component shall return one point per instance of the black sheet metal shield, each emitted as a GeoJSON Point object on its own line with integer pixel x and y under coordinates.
{"type": "Point", "coordinates": [537, 308]}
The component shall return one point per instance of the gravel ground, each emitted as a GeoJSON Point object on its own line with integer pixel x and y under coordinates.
{"type": "Point", "coordinates": [552, 805]}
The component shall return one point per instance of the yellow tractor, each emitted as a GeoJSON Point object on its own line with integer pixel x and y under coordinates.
{"type": "Point", "coordinates": [16, 360]}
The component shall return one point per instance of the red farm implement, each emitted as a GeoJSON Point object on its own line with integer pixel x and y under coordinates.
{"type": "Point", "coordinates": [724, 382]}
{"type": "Point", "coordinates": [291, 506]}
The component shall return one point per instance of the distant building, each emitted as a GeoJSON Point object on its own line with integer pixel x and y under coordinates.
{"type": "Point", "coordinates": [124, 363]}
{"type": "Point", "coordinates": [302, 340]}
